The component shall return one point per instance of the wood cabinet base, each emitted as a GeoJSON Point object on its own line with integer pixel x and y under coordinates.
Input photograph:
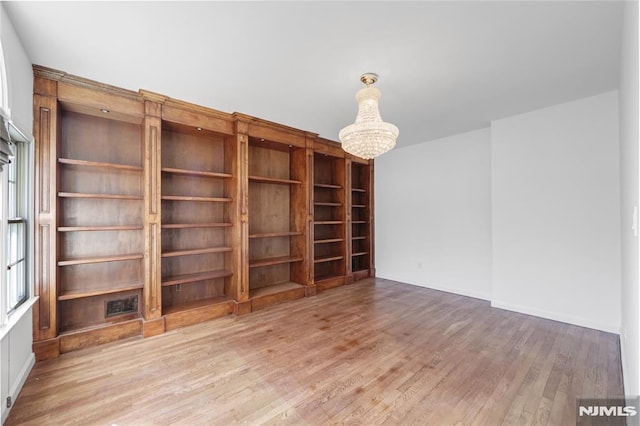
{"type": "Point", "coordinates": [153, 327]}
{"type": "Point", "coordinates": [242, 308]}
{"type": "Point", "coordinates": [97, 336]}
{"type": "Point", "coordinates": [198, 314]}
{"type": "Point", "coordinates": [46, 349]}
{"type": "Point", "coordinates": [361, 275]}
{"type": "Point", "coordinates": [330, 283]}
{"type": "Point", "coordinates": [268, 299]}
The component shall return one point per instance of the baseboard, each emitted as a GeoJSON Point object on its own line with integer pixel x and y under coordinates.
{"type": "Point", "coordinates": [623, 362]}
{"type": "Point", "coordinates": [631, 389]}
{"type": "Point", "coordinates": [19, 383]}
{"type": "Point", "coordinates": [555, 316]}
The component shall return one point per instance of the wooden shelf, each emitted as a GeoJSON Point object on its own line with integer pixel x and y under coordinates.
{"type": "Point", "coordinates": [86, 163]}
{"type": "Point", "coordinates": [328, 222]}
{"type": "Point", "coordinates": [276, 181]}
{"type": "Point", "coordinates": [103, 196]}
{"type": "Point", "coordinates": [362, 253]}
{"type": "Point", "coordinates": [359, 206]}
{"type": "Point", "coordinates": [101, 228]}
{"type": "Point", "coordinates": [195, 251]}
{"type": "Point", "coordinates": [81, 294]}
{"type": "Point", "coordinates": [328, 204]}
{"type": "Point", "coordinates": [363, 237]}
{"type": "Point", "coordinates": [330, 240]}
{"type": "Point", "coordinates": [256, 263]}
{"type": "Point", "coordinates": [195, 304]}
{"type": "Point", "coordinates": [197, 276]}
{"type": "Point", "coordinates": [100, 259]}
{"type": "Point", "coordinates": [195, 173]}
{"type": "Point", "coordinates": [326, 276]}
{"type": "Point", "coordinates": [273, 289]}
{"type": "Point", "coordinates": [358, 221]}
{"type": "Point", "coordinates": [275, 234]}
{"type": "Point", "coordinates": [201, 199]}
{"type": "Point", "coordinates": [358, 190]}
{"type": "Point", "coordinates": [327, 185]}
{"type": "Point", "coordinates": [196, 225]}
{"type": "Point", "coordinates": [328, 259]}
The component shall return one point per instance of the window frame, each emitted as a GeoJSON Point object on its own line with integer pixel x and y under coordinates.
{"type": "Point", "coordinates": [16, 215]}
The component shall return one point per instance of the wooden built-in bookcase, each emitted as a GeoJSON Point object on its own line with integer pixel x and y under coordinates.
{"type": "Point", "coordinates": [196, 195]}
{"type": "Point", "coordinates": [153, 213]}
{"type": "Point", "coordinates": [330, 220]}
{"type": "Point", "coordinates": [361, 221]}
{"type": "Point", "coordinates": [277, 249]}
{"type": "Point", "coordinates": [100, 219]}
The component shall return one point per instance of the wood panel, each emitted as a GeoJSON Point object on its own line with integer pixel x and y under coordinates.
{"type": "Point", "coordinates": [359, 354]}
{"type": "Point", "coordinates": [240, 160]}
{"type": "Point", "coordinates": [152, 295]}
{"type": "Point", "coordinates": [269, 131]}
{"type": "Point", "coordinates": [194, 116]}
{"type": "Point", "coordinates": [99, 336]}
{"type": "Point", "coordinates": [121, 104]}
{"type": "Point", "coordinates": [46, 131]}
{"type": "Point", "coordinates": [197, 313]}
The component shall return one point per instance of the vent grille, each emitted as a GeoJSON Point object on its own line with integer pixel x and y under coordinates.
{"type": "Point", "coordinates": [121, 306]}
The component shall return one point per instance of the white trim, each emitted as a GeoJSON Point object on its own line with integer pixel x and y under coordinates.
{"type": "Point", "coordinates": [4, 190]}
{"type": "Point", "coordinates": [555, 316]}
{"type": "Point", "coordinates": [16, 133]}
{"type": "Point", "coordinates": [19, 383]}
{"type": "Point", "coordinates": [623, 362]}
{"type": "Point", "coordinates": [4, 90]}
{"type": "Point", "coordinates": [16, 315]}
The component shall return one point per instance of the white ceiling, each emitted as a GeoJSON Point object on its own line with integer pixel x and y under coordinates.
{"type": "Point", "coordinates": [445, 67]}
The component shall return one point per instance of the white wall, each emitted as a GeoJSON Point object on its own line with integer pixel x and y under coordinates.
{"type": "Point", "coordinates": [19, 75]}
{"type": "Point", "coordinates": [16, 356]}
{"type": "Point", "coordinates": [630, 327]}
{"type": "Point", "coordinates": [556, 213]}
{"type": "Point", "coordinates": [433, 214]}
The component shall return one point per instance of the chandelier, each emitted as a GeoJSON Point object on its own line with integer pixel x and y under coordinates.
{"type": "Point", "coordinates": [369, 136]}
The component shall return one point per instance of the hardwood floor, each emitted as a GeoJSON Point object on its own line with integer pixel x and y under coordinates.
{"type": "Point", "coordinates": [374, 352]}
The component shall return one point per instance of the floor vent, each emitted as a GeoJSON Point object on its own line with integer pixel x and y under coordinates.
{"type": "Point", "coordinates": [121, 306]}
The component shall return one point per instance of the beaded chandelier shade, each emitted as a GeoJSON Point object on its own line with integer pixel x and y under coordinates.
{"type": "Point", "coordinates": [369, 136]}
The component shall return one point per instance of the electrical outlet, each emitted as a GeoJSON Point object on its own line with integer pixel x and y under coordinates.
{"type": "Point", "coordinates": [8, 402]}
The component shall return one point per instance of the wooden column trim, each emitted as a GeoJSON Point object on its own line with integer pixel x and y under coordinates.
{"type": "Point", "coordinates": [348, 202]}
{"type": "Point", "coordinates": [46, 139]}
{"type": "Point", "coordinates": [372, 228]}
{"type": "Point", "coordinates": [152, 293]}
{"type": "Point", "coordinates": [242, 186]}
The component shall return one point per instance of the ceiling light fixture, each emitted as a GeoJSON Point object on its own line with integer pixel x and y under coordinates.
{"type": "Point", "coordinates": [369, 136]}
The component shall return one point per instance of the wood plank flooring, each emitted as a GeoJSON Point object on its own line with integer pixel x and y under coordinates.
{"type": "Point", "coordinates": [373, 352]}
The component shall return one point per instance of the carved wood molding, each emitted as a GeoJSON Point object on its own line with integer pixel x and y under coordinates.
{"type": "Point", "coordinates": [61, 76]}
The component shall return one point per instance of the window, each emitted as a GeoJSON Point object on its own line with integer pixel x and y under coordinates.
{"type": "Point", "coordinates": [15, 159]}
{"type": "Point", "coordinates": [16, 229]}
